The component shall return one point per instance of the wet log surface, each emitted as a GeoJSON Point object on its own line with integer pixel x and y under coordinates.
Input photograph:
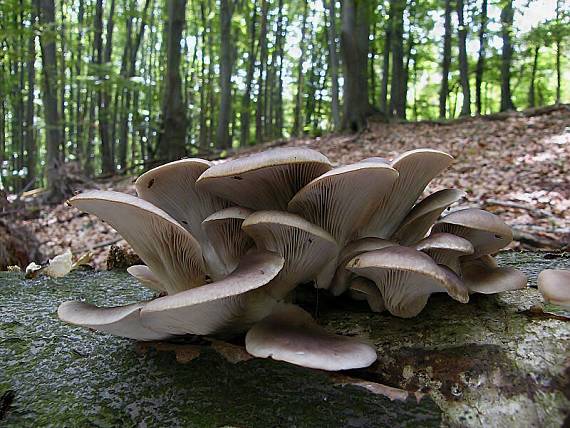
{"type": "Point", "coordinates": [494, 361]}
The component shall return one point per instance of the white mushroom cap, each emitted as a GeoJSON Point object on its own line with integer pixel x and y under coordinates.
{"type": "Point", "coordinates": [230, 305]}
{"type": "Point", "coordinates": [416, 169]}
{"type": "Point", "coordinates": [341, 200]}
{"type": "Point", "coordinates": [406, 278]}
{"type": "Point", "coordinates": [424, 214]}
{"type": "Point", "coordinates": [341, 280]}
{"type": "Point", "coordinates": [364, 289]}
{"type": "Point", "coordinates": [305, 247]}
{"type": "Point", "coordinates": [121, 321]}
{"type": "Point", "coordinates": [168, 249]}
{"type": "Point", "coordinates": [446, 249]}
{"type": "Point", "coordinates": [290, 334]}
{"type": "Point", "coordinates": [224, 231]}
{"type": "Point", "coordinates": [554, 285]}
{"type": "Point", "coordinates": [145, 276]}
{"type": "Point", "coordinates": [172, 187]}
{"type": "Point", "coordinates": [480, 276]}
{"type": "Point", "coordinates": [266, 180]}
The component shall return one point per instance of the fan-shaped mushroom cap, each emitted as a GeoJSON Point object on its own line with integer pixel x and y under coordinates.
{"type": "Point", "coordinates": [227, 306]}
{"type": "Point", "coordinates": [416, 169]}
{"type": "Point", "coordinates": [145, 276]}
{"type": "Point", "coordinates": [406, 278]}
{"type": "Point", "coordinates": [486, 231]}
{"type": "Point", "coordinates": [342, 199]}
{"type": "Point", "coordinates": [554, 285]}
{"type": "Point", "coordinates": [172, 187]}
{"type": "Point", "coordinates": [168, 249]}
{"type": "Point", "coordinates": [290, 334]}
{"type": "Point", "coordinates": [341, 280]}
{"type": "Point", "coordinates": [480, 276]}
{"type": "Point", "coordinates": [224, 231]}
{"type": "Point", "coordinates": [121, 321]}
{"type": "Point", "coordinates": [419, 220]}
{"type": "Point", "coordinates": [265, 180]}
{"type": "Point", "coordinates": [445, 249]}
{"type": "Point", "coordinates": [305, 247]}
{"type": "Point", "coordinates": [364, 289]}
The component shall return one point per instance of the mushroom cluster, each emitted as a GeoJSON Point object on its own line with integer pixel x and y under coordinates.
{"type": "Point", "coordinates": [226, 244]}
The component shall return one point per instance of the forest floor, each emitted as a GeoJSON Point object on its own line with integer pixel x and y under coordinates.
{"type": "Point", "coordinates": [515, 165]}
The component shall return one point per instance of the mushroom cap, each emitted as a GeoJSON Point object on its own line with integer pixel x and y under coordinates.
{"type": "Point", "coordinates": [554, 285]}
{"type": "Point", "coordinates": [306, 247]}
{"type": "Point", "coordinates": [341, 279]}
{"type": "Point", "coordinates": [416, 169]}
{"type": "Point", "coordinates": [362, 288]}
{"type": "Point", "coordinates": [290, 334]}
{"type": "Point", "coordinates": [481, 277]}
{"type": "Point", "coordinates": [445, 249]}
{"type": "Point", "coordinates": [146, 277]}
{"type": "Point", "coordinates": [172, 187]}
{"type": "Point", "coordinates": [169, 250]}
{"type": "Point", "coordinates": [406, 278]}
{"type": "Point", "coordinates": [223, 229]}
{"type": "Point", "coordinates": [424, 214]}
{"type": "Point", "coordinates": [342, 199]}
{"type": "Point", "coordinates": [230, 305]}
{"type": "Point", "coordinates": [121, 321]}
{"type": "Point", "coordinates": [486, 231]}
{"type": "Point", "coordinates": [266, 180]}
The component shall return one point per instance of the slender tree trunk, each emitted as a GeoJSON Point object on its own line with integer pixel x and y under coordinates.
{"type": "Point", "coordinates": [172, 137]}
{"type": "Point", "coordinates": [507, 14]}
{"type": "Point", "coordinates": [354, 43]}
{"type": "Point", "coordinates": [531, 102]}
{"type": "Point", "coordinates": [30, 133]}
{"type": "Point", "coordinates": [259, 131]}
{"type": "Point", "coordinates": [480, 69]}
{"type": "Point", "coordinates": [223, 139]}
{"type": "Point", "coordinates": [298, 111]}
{"type": "Point", "coordinates": [410, 55]}
{"type": "Point", "coordinates": [203, 136]}
{"type": "Point", "coordinates": [333, 61]}
{"type": "Point", "coordinates": [79, 110]}
{"type": "Point", "coordinates": [463, 61]}
{"type": "Point", "coordinates": [386, 59]}
{"type": "Point", "coordinates": [397, 92]}
{"type": "Point", "coordinates": [277, 88]}
{"type": "Point", "coordinates": [446, 62]}
{"type": "Point", "coordinates": [252, 56]}
{"type": "Point", "coordinates": [558, 48]}
{"type": "Point", "coordinates": [62, 83]}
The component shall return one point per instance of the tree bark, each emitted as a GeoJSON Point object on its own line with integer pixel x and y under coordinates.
{"type": "Point", "coordinates": [31, 150]}
{"type": "Point", "coordinates": [463, 61]}
{"type": "Point", "coordinates": [298, 111]}
{"type": "Point", "coordinates": [354, 44]}
{"type": "Point", "coordinates": [223, 139]}
{"type": "Point", "coordinates": [558, 48]}
{"type": "Point", "coordinates": [333, 61]}
{"type": "Point", "coordinates": [531, 100]}
{"type": "Point", "coordinates": [246, 100]}
{"type": "Point", "coordinates": [386, 60]}
{"type": "Point", "coordinates": [446, 62]}
{"type": "Point", "coordinates": [397, 92]}
{"type": "Point", "coordinates": [507, 14]}
{"type": "Point", "coordinates": [480, 69]}
{"type": "Point", "coordinates": [259, 131]}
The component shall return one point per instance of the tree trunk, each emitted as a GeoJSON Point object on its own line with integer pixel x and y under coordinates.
{"type": "Point", "coordinates": [386, 60]}
{"type": "Point", "coordinates": [531, 101]}
{"type": "Point", "coordinates": [558, 48]}
{"type": "Point", "coordinates": [277, 97]}
{"type": "Point", "coordinates": [446, 62]}
{"type": "Point", "coordinates": [298, 111]}
{"type": "Point", "coordinates": [259, 131]}
{"type": "Point", "coordinates": [463, 61]}
{"type": "Point", "coordinates": [354, 43]}
{"type": "Point", "coordinates": [30, 132]}
{"type": "Point", "coordinates": [79, 110]}
{"type": "Point", "coordinates": [223, 139]}
{"type": "Point", "coordinates": [480, 69]}
{"type": "Point", "coordinates": [172, 136]}
{"type": "Point", "coordinates": [507, 14]}
{"type": "Point", "coordinates": [397, 92]}
{"type": "Point", "coordinates": [252, 56]}
{"type": "Point", "coordinates": [333, 61]}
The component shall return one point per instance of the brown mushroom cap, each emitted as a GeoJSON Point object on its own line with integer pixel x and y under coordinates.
{"type": "Point", "coordinates": [230, 305]}
{"type": "Point", "coordinates": [168, 249]}
{"type": "Point", "coordinates": [364, 289]}
{"type": "Point", "coordinates": [266, 180]}
{"type": "Point", "coordinates": [416, 169]}
{"type": "Point", "coordinates": [121, 321]}
{"type": "Point", "coordinates": [424, 214]}
{"type": "Point", "coordinates": [554, 285]}
{"type": "Point", "coordinates": [290, 334]}
{"type": "Point", "coordinates": [486, 231]}
{"type": "Point", "coordinates": [446, 249]}
{"type": "Point", "coordinates": [406, 278]}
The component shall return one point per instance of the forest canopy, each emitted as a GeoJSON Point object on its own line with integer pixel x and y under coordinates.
{"type": "Point", "coordinates": [116, 86]}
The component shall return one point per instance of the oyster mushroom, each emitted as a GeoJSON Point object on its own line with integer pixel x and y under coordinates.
{"type": "Point", "coordinates": [554, 285]}
{"type": "Point", "coordinates": [406, 278]}
{"type": "Point", "coordinates": [145, 276]}
{"type": "Point", "coordinates": [266, 180]}
{"type": "Point", "coordinates": [290, 334]}
{"type": "Point", "coordinates": [364, 289]}
{"type": "Point", "coordinates": [482, 275]}
{"type": "Point", "coordinates": [446, 249]}
{"type": "Point", "coordinates": [487, 232]}
{"type": "Point", "coordinates": [305, 247]}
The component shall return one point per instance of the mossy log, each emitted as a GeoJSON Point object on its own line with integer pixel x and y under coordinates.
{"type": "Point", "coordinates": [492, 362]}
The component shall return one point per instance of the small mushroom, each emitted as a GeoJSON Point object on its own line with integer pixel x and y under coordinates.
{"type": "Point", "coordinates": [424, 214]}
{"type": "Point", "coordinates": [416, 169]}
{"type": "Point", "coordinates": [290, 334]}
{"type": "Point", "coordinates": [554, 285]}
{"type": "Point", "coordinates": [487, 232]}
{"type": "Point", "coordinates": [446, 249]}
{"type": "Point", "coordinates": [145, 276]}
{"type": "Point", "coordinates": [482, 275]}
{"type": "Point", "coordinates": [224, 231]}
{"type": "Point", "coordinates": [306, 248]}
{"type": "Point", "coordinates": [168, 249]}
{"type": "Point", "coordinates": [406, 278]}
{"type": "Point", "coordinates": [266, 180]}
{"type": "Point", "coordinates": [364, 289]}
